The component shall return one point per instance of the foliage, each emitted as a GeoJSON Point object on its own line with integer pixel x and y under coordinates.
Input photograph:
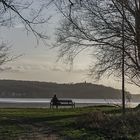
{"type": "Point", "coordinates": [112, 127]}
{"type": "Point", "coordinates": [29, 123]}
{"type": "Point", "coordinates": [34, 89]}
{"type": "Point", "coordinates": [87, 123]}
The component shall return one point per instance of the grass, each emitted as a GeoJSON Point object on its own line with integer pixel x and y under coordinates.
{"type": "Point", "coordinates": [87, 123]}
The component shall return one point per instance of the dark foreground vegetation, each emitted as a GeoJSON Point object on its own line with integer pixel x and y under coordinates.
{"type": "Point", "coordinates": [87, 123]}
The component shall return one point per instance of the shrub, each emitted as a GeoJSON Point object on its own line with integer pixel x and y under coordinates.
{"type": "Point", "coordinates": [112, 127]}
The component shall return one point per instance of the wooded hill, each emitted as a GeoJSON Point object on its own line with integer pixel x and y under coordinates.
{"type": "Point", "coordinates": [34, 89]}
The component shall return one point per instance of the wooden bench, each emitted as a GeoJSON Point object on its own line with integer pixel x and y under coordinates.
{"type": "Point", "coordinates": [62, 103]}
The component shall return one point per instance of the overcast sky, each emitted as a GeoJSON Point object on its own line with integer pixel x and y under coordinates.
{"type": "Point", "coordinates": [38, 62]}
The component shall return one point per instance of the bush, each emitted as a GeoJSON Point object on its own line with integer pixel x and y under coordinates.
{"type": "Point", "coordinates": [138, 106]}
{"type": "Point", "coordinates": [112, 127]}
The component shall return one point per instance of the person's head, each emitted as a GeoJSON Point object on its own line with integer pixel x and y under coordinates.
{"type": "Point", "coordinates": [54, 95]}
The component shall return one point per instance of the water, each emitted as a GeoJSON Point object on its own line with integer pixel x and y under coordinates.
{"type": "Point", "coordinates": [82, 102]}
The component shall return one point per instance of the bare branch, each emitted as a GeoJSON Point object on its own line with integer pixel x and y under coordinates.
{"type": "Point", "coordinates": [97, 24]}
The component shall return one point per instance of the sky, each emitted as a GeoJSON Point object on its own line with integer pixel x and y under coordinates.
{"type": "Point", "coordinates": [38, 62]}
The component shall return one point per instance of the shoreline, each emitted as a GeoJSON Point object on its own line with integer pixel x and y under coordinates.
{"type": "Point", "coordinates": [44, 105]}
{"type": "Point", "coordinates": [47, 105]}
{"type": "Point", "coordinates": [45, 102]}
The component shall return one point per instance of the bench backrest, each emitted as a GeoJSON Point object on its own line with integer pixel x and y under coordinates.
{"type": "Point", "coordinates": [64, 102]}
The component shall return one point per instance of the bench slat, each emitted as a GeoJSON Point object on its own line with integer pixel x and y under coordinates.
{"type": "Point", "coordinates": [65, 100]}
{"type": "Point", "coordinates": [63, 103]}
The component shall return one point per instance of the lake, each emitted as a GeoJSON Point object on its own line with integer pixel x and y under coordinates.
{"type": "Point", "coordinates": [44, 102]}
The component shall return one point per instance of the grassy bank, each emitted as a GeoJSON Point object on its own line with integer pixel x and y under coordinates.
{"type": "Point", "coordinates": [87, 123]}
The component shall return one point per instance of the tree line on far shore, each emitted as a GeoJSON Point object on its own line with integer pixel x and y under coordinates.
{"type": "Point", "coordinates": [34, 89]}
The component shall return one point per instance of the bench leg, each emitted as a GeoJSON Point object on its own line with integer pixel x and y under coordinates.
{"type": "Point", "coordinates": [74, 105]}
{"type": "Point", "coordinates": [57, 106]}
{"type": "Point", "coordinates": [50, 106]}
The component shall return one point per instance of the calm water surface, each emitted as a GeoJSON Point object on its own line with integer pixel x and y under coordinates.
{"type": "Point", "coordinates": [77, 101]}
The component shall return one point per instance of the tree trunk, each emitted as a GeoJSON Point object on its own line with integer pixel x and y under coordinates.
{"type": "Point", "coordinates": [137, 22]}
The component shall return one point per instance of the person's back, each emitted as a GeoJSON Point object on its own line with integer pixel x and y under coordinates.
{"type": "Point", "coordinates": [55, 100]}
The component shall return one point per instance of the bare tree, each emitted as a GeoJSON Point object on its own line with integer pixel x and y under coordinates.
{"type": "Point", "coordinates": [29, 13]}
{"type": "Point", "coordinates": [97, 24]}
{"type": "Point", "coordinates": [4, 54]}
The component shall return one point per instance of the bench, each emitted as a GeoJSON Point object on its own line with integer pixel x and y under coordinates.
{"type": "Point", "coordinates": [62, 103]}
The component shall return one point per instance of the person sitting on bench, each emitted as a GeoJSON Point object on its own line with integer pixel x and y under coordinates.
{"type": "Point", "coordinates": [55, 100]}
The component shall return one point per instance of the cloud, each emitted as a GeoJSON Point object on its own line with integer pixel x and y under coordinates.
{"type": "Point", "coordinates": [19, 26]}
{"type": "Point", "coordinates": [24, 68]}
{"type": "Point", "coordinates": [65, 69]}
{"type": "Point", "coordinates": [56, 69]}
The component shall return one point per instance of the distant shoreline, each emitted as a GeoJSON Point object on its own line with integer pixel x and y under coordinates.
{"type": "Point", "coordinates": [47, 105]}
{"type": "Point", "coordinates": [43, 105]}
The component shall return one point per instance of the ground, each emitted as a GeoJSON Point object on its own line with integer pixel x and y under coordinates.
{"type": "Point", "coordinates": [86, 123]}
